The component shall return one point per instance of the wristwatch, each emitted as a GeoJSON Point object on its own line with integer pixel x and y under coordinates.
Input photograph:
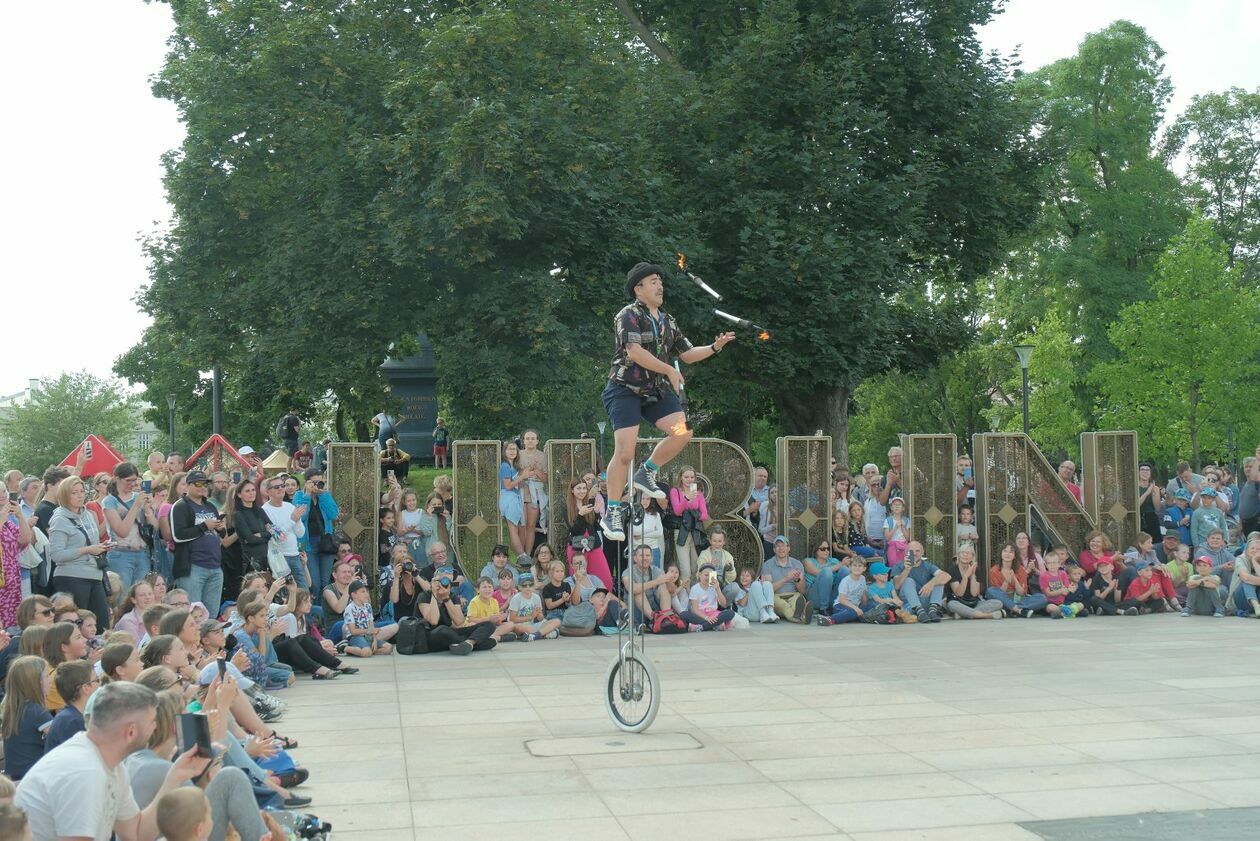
{"type": "Point", "coordinates": [715, 348]}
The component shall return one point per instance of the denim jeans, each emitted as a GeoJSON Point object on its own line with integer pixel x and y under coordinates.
{"type": "Point", "coordinates": [822, 593]}
{"type": "Point", "coordinates": [910, 595]}
{"type": "Point", "coordinates": [1029, 601]}
{"type": "Point", "coordinates": [1245, 595]}
{"type": "Point", "coordinates": [204, 585]}
{"type": "Point", "coordinates": [299, 571]}
{"type": "Point", "coordinates": [841, 614]}
{"type": "Point", "coordinates": [760, 598]}
{"type": "Point", "coordinates": [131, 565]}
{"type": "Point", "coordinates": [163, 560]}
{"type": "Point", "coordinates": [321, 569]}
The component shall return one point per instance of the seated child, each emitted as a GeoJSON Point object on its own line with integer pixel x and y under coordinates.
{"type": "Point", "coordinates": [754, 598]}
{"type": "Point", "coordinates": [557, 594]}
{"type": "Point", "coordinates": [1105, 595]}
{"type": "Point", "coordinates": [1145, 590]}
{"type": "Point", "coordinates": [608, 610]}
{"type": "Point", "coordinates": [1055, 584]}
{"type": "Point", "coordinates": [852, 602]}
{"type": "Point", "coordinates": [363, 638]}
{"type": "Point", "coordinates": [1078, 595]}
{"type": "Point", "coordinates": [1203, 591]}
{"type": "Point", "coordinates": [485, 608]}
{"type": "Point", "coordinates": [708, 608]}
{"type": "Point", "coordinates": [184, 815]}
{"type": "Point", "coordinates": [882, 593]}
{"type": "Point", "coordinates": [722, 561]}
{"type": "Point", "coordinates": [507, 588]}
{"type": "Point", "coordinates": [525, 611]}
{"type": "Point", "coordinates": [75, 681]}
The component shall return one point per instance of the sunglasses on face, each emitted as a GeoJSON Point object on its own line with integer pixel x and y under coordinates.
{"type": "Point", "coordinates": [275, 487]}
{"type": "Point", "coordinates": [199, 484]}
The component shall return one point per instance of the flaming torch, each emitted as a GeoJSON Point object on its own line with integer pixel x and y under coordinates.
{"type": "Point", "coordinates": [762, 333]}
{"type": "Point", "coordinates": [682, 266]}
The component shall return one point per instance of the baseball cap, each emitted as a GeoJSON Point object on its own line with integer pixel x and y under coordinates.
{"type": "Point", "coordinates": [247, 450]}
{"type": "Point", "coordinates": [1140, 565]}
{"type": "Point", "coordinates": [1183, 494]}
{"type": "Point", "coordinates": [525, 579]}
{"type": "Point", "coordinates": [599, 590]}
{"type": "Point", "coordinates": [210, 626]}
{"type": "Point", "coordinates": [1208, 492]}
{"type": "Point", "coordinates": [879, 568]}
{"type": "Point", "coordinates": [782, 539]}
{"type": "Point", "coordinates": [1203, 559]}
{"type": "Point", "coordinates": [356, 586]}
{"type": "Point", "coordinates": [196, 476]}
{"type": "Point", "coordinates": [1105, 560]}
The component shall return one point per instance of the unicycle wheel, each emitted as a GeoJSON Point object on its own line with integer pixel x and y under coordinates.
{"type": "Point", "coordinates": [633, 692]}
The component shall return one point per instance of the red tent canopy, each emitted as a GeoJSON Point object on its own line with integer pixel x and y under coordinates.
{"type": "Point", "coordinates": [216, 454]}
{"type": "Point", "coordinates": [104, 457]}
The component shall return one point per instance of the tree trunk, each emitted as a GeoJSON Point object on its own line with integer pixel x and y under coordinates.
{"type": "Point", "coordinates": [340, 422]}
{"type": "Point", "coordinates": [805, 414]}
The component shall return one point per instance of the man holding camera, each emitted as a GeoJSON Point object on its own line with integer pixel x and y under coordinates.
{"type": "Point", "coordinates": [442, 610]}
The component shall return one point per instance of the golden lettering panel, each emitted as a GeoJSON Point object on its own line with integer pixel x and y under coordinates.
{"type": "Point", "coordinates": [803, 479]}
{"type": "Point", "coordinates": [1109, 465]}
{"type": "Point", "coordinates": [354, 480]}
{"type": "Point", "coordinates": [475, 487]}
{"type": "Point", "coordinates": [567, 459]}
{"type": "Point", "coordinates": [929, 467]}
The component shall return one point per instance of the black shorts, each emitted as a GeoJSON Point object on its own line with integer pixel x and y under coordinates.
{"type": "Point", "coordinates": [625, 408]}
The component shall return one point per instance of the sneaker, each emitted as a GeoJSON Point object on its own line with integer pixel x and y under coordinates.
{"type": "Point", "coordinates": [999, 614]}
{"type": "Point", "coordinates": [768, 618]}
{"type": "Point", "coordinates": [341, 647]}
{"type": "Point", "coordinates": [1185, 611]}
{"type": "Point", "coordinates": [920, 614]}
{"type": "Point", "coordinates": [1028, 614]}
{"type": "Point", "coordinates": [530, 637]}
{"type": "Point", "coordinates": [1133, 611]}
{"type": "Point", "coordinates": [552, 634]}
{"type": "Point", "coordinates": [645, 481]}
{"type": "Point", "coordinates": [508, 637]}
{"type": "Point", "coordinates": [613, 523]}
{"type": "Point", "coordinates": [1069, 611]}
{"type": "Point", "coordinates": [296, 801]}
{"type": "Point", "coordinates": [462, 648]}
{"type": "Point", "coordinates": [1219, 614]}
{"type": "Point", "coordinates": [825, 621]}
{"type": "Point", "coordinates": [270, 700]}
{"type": "Point", "coordinates": [934, 613]}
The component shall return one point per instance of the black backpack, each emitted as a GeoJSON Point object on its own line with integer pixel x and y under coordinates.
{"type": "Point", "coordinates": [412, 638]}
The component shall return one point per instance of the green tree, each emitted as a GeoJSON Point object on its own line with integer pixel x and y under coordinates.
{"type": "Point", "coordinates": [1110, 203]}
{"type": "Point", "coordinates": [59, 415]}
{"type": "Point", "coordinates": [1187, 356]}
{"type": "Point", "coordinates": [1220, 135]}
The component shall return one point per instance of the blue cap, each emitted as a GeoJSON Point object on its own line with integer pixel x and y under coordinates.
{"type": "Point", "coordinates": [782, 539]}
{"type": "Point", "coordinates": [1208, 492]}
{"type": "Point", "coordinates": [1183, 494]}
{"type": "Point", "coordinates": [1141, 565]}
{"type": "Point", "coordinates": [879, 568]}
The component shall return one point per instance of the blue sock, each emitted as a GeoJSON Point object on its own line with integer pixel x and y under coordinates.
{"type": "Point", "coordinates": [650, 466]}
{"type": "Point", "coordinates": [614, 503]}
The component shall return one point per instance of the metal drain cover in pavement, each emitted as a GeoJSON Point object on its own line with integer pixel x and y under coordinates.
{"type": "Point", "coordinates": [1152, 826]}
{"type": "Point", "coordinates": [619, 743]}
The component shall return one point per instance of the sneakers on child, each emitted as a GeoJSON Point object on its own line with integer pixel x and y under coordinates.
{"type": "Point", "coordinates": [613, 523]}
{"type": "Point", "coordinates": [1185, 611]}
{"type": "Point", "coordinates": [999, 614]}
{"type": "Point", "coordinates": [552, 634]}
{"type": "Point", "coordinates": [462, 648]}
{"type": "Point", "coordinates": [767, 617]}
{"type": "Point", "coordinates": [508, 637]}
{"type": "Point", "coordinates": [645, 481]}
{"type": "Point", "coordinates": [825, 620]}
{"type": "Point", "coordinates": [1028, 614]}
{"type": "Point", "coordinates": [1133, 611]}
{"type": "Point", "coordinates": [530, 637]}
{"type": "Point", "coordinates": [1219, 614]}
{"type": "Point", "coordinates": [934, 613]}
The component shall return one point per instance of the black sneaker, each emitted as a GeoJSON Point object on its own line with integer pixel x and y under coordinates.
{"type": "Point", "coordinates": [934, 613]}
{"type": "Point", "coordinates": [462, 648]}
{"type": "Point", "coordinates": [1028, 614]}
{"type": "Point", "coordinates": [922, 615]}
{"type": "Point", "coordinates": [296, 801]}
{"type": "Point", "coordinates": [613, 523]}
{"type": "Point", "coordinates": [645, 481]}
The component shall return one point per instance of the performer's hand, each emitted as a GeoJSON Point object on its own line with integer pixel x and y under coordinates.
{"type": "Point", "coordinates": [723, 340]}
{"type": "Point", "coordinates": [676, 380]}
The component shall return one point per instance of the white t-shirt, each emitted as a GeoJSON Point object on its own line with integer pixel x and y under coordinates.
{"type": "Point", "coordinates": [71, 794]}
{"type": "Point", "coordinates": [524, 607]}
{"type": "Point", "coordinates": [281, 518]}
{"type": "Point", "coordinates": [706, 597]}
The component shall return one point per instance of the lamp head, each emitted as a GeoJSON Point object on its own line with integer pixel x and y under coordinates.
{"type": "Point", "coordinates": [1024, 352]}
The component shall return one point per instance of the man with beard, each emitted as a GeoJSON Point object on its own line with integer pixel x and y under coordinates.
{"type": "Point", "coordinates": [82, 790]}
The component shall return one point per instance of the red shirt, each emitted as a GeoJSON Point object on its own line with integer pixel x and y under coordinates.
{"type": "Point", "coordinates": [1062, 586]}
{"type": "Point", "coordinates": [503, 599]}
{"type": "Point", "coordinates": [1140, 587]}
{"type": "Point", "coordinates": [997, 579]}
{"type": "Point", "coordinates": [1089, 562]}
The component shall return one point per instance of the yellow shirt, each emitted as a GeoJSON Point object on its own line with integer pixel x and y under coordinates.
{"type": "Point", "coordinates": [480, 608]}
{"type": "Point", "coordinates": [53, 701]}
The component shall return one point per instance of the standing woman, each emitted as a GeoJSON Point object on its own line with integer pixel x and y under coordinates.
{"type": "Point", "coordinates": [165, 556]}
{"type": "Point", "coordinates": [653, 529]}
{"type": "Point", "coordinates": [76, 551]}
{"type": "Point", "coordinates": [584, 532]}
{"type": "Point", "coordinates": [246, 521]}
{"type": "Point", "coordinates": [687, 501]}
{"type": "Point", "coordinates": [511, 503]}
{"type": "Point", "coordinates": [124, 514]}
{"type": "Point", "coordinates": [15, 535]}
{"type": "Point", "coordinates": [533, 464]}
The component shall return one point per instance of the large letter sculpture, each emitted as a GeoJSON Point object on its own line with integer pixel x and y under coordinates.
{"type": "Point", "coordinates": [475, 481]}
{"type": "Point", "coordinates": [803, 478]}
{"type": "Point", "coordinates": [567, 459]}
{"type": "Point", "coordinates": [354, 480]}
{"type": "Point", "coordinates": [928, 471]}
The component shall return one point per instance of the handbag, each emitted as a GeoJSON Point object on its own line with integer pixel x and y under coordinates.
{"type": "Point", "coordinates": [668, 622]}
{"type": "Point", "coordinates": [580, 615]}
{"type": "Point", "coordinates": [582, 543]}
{"type": "Point", "coordinates": [276, 560]}
{"type": "Point", "coordinates": [412, 637]}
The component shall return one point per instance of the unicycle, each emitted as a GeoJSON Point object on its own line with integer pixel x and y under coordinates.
{"type": "Point", "coordinates": [633, 689]}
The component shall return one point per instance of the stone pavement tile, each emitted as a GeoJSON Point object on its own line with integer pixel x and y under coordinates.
{"type": "Point", "coordinates": [896, 712]}
{"type": "Point", "coordinates": [684, 777]}
{"type": "Point", "coordinates": [351, 770]}
{"type": "Point", "coordinates": [701, 755]}
{"type": "Point", "coordinates": [628, 801]}
{"type": "Point", "coordinates": [421, 745]}
{"type": "Point", "coordinates": [1179, 770]}
{"type": "Point", "coordinates": [328, 790]}
{"type": "Point", "coordinates": [1157, 748]}
{"type": "Point", "coordinates": [444, 716]}
{"type": "Point", "coordinates": [1247, 741]}
{"type": "Point", "coordinates": [736, 824]}
{"type": "Point", "coordinates": [1215, 726]}
{"type": "Point", "coordinates": [1082, 733]}
{"type": "Point", "coordinates": [489, 728]}
{"type": "Point", "coordinates": [1239, 793]}
{"type": "Point", "coordinates": [514, 810]}
{"type": "Point", "coordinates": [612, 742]}
{"type": "Point", "coordinates": [870, 789]}
{"type": "Point", "coordinates": [921, 812]}
{"type": "Point", "coordinates": [595, 726]}
{"type": "Point", "coordinates": [1008, 737]}
{"type": "Point", "coordinates": [366, 817]}
{"type": "Point", "coordinates": [1211, 682]}
{"type": "Point", "coordinates": [841, 766]}
{"type": "Point", "coordinates": [421, 768]}
{"type": "Point", "coordinates": [1134, 697]}
{"type": "Point", "coordinates": [312, 736]}
{"type": "Point", "coordinates": [559, 829]}
{"type": "Point", "coordinates": [452, 787]}
{"type": "Point", "coordinates": [1050, 778]}
{"type": "Point", "coordinates": [391, 751]}
{"type": "Point", "coordinates": [967, 759]}
{"type": "Point", "coordinates": [1108, 800]}
{"type": "Point", "coordinates": [407, 834]}
{"type": "Point", "coordinates": [983, 832]}
{"type": "Point", "coordinates": [802, 748]}
{"type": "Point", "coordinates": [701, 717]}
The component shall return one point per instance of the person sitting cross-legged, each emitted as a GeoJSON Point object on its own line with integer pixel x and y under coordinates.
{"type": "Point", "coordinates": [442, 610]}
{"type": "Point", "coordinates": [916, 579]}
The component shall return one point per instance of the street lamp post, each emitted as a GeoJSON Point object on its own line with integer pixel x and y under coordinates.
{"type": "Point", "coordinates": [170, 407]}
{"type": "Point", "coordinates": [1024, 352]}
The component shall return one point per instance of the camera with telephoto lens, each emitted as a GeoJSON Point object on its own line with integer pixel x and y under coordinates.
{"type": "Point", "coordinates": [408, 566]}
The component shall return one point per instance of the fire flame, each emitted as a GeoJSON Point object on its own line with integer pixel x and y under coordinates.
{"type": "Point", "coordinates": [682, 261]}
{"type": "Point", "coordinates": [679, 428]}
{"type": "Point", "coordinates": [764, 335]}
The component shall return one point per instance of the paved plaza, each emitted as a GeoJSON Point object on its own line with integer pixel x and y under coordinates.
{"type": "Point", "coordinates": [967, 730]}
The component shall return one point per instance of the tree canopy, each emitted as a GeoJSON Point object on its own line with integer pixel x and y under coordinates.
{"type": "Point", "coordinates": [59, 415]}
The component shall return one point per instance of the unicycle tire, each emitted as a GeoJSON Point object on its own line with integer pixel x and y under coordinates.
{"type": "Point", "coordinates": [635, 713]}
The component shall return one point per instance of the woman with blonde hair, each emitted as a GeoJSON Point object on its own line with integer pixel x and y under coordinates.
{"type": "Point", "coordinates": [76, 550]}
{"type": "Point", "coordinates": [24, 715]}
{"type": "Point", "coordinates": [966, 589]}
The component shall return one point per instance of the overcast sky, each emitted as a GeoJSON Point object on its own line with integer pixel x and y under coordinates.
{"type": "Point", "coordinates": [84, 138]}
